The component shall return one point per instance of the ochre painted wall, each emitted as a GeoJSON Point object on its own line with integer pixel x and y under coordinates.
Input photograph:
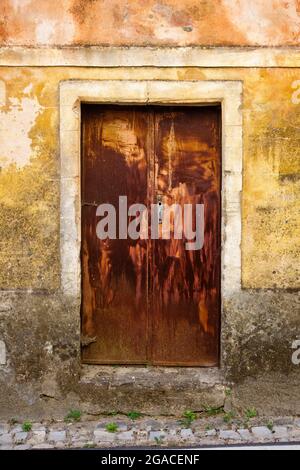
{"type": "Point", "coordinates": [29, 180]}
{"type": "Point", "coordinates": [150, 22]}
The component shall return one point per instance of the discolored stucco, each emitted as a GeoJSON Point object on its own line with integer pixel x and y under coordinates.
{"type": "Point", "coordinates": [30, 167]}
{"type": "Point", "coordinates": [150, 22]}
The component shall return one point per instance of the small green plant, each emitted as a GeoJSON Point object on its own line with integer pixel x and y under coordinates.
{"type": "Point", "coordinates": [111, 427]}
{"type": "Point", "coordinates": [89, 445]}
{"type": "Point", "coordinates": [270, 425]}
{"type": "Point", "coordinates": [228, 392]}
{"type": "Point", "coordinates": [213, 411]}
{"type": "Point", "coordinates": [26, 426]}
{"type": "Point", "coordinates": [159, 440]}
{"type": "Point", "coordinates": [134, 415]}
{"type": "Point", "coordinates": [187, 418]}
{"type": "Point", "coordinates": [73, 415]}
{"type": "Point", "coordinates": [228, 417]}
{"type": "Point", "coordinates": [251, 413]}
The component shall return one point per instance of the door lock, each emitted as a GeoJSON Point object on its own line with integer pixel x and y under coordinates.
{"type": "Point", "coordinates": [160, 208]}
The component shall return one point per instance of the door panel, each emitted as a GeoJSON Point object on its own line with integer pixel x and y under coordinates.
{"type": "Point", "coordinates": [114, 272]}
{"type": "Point", "coordinates": [151, 301]}
{"type": "Point", "coordinates": [186, 283]}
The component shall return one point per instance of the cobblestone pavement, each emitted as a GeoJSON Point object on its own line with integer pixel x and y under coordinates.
{"type": "Point", "coordinates": [147, 431]}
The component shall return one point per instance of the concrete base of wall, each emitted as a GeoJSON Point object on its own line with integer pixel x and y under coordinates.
{"type": "Point", "coordinates": [42, 376]}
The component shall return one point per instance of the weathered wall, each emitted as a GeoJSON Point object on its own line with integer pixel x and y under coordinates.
{"type": "Point", "coordinates": [38, 324]}
{"type": "Point", "coordinates": [150, 22]}
{"type": "Point", "coordinates": [30, 172]}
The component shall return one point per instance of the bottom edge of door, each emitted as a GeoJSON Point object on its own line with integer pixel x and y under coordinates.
{"type": "Point", "coordinates": [152, 363]}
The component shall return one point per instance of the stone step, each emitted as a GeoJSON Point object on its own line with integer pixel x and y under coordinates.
{"type": "Point", "coordinates": [151, 390]}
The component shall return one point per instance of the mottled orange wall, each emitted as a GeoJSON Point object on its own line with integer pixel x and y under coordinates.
{"type": "Point", "coordinates": [150, 22]}
{"type": "Point", "coordinates": [30, 177]}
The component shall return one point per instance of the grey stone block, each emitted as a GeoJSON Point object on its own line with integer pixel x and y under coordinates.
{"type": "Point", "coordinates": [6, 439]}
{"type": "Point", "coordinates": [21, 437]}
{"type": "Point", "coordinates": [153, 425]}
{"type": "Point", "coordinates": [104, 436]}
{"type": "Point", "coordinates": [262, 432]}
{"type": "Point", "coordinates": [230, 435]}
{"type": "Point", "coordinates": [154, 435]}
{"type": "Point", "coordinates": [245, 434]}
{"type": "Point", "coordinates": [17, 428]}
{"type": "Point", "coordinates": [57, 436]}
{"type": "Point", "coordinates": [186, 433]}
{"type": "Point", "coordinates": [125, 436]}
{"type": "Point", "coordinates": [210, 433]}
{"type": "Point", "coordinates": [37, 437]}
{"type": "Point", "coordinates": [280, 432]}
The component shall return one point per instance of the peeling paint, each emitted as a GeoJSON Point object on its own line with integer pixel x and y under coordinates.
{"type": "Point", "coordinates": [15, 125]}
{"type": "Point", "coordinates": [45, 31]}
{"type": "Point", "coordinates": [261, 21]}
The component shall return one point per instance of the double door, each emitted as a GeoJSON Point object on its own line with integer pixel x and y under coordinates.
{"type": "Point", "coordinates": [149, 299]}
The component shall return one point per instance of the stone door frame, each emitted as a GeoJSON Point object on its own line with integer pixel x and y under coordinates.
{"type": "Point", "coordinates": [156, 92]}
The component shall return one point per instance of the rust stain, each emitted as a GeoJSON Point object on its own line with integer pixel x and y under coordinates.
{"type": "Point", "coordinates": [80, 9]}
{"type": "Point", "coordinates": [204, 318]}
{"type": "Point", "coordinates": [3, 28]}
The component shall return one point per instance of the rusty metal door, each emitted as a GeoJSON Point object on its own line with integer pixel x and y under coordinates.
{"type": "Point", "coordinates": [151, 300]}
